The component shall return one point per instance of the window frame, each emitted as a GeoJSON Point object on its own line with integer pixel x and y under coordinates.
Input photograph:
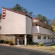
{"type": "Point", "coordinates": [39, 37]}
{"type": "Point", "coordinates": [44, 37]}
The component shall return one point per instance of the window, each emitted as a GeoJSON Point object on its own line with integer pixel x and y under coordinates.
{"type": "Point", "coordinates": [36, 24]}
{"type": "Point", "coordinates": [0, 36]}
{"type": "Point", "coordinates": [48, 37]}
{"type": "Point", "coordinates": [0, 27]}
{"type": "Point", "coordinates": [20, 35]}
{"type": "Point", "coordinates": [39, 37]}
{"type": "Point", "coordinates": [44, 37]}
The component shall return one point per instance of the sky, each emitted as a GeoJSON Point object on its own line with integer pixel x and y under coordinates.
{"type": "Point", "coordinates": [44, 7]}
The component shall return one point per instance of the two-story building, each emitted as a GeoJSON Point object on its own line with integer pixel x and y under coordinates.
{"type": "Point", "coordinates": [21, 28]}
{"type": "Point", "coordinates": [42, 32]}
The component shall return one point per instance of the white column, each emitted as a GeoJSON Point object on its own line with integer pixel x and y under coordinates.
{"type": "Point", "coordinates": [25, 40]}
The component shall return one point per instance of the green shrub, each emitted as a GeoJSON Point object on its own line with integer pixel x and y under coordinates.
{"type": "Point", "coordinates": [1, 41]}
{"type": "Point", "coordinates": [5, 41]}
{"type": "Point", "coordinates": [29, 43]}
{"type": "Point", "coordinates": [36, 43]}
{"type": "Point", "coordinates": [11, 43]}
{"type": "Point", "coordinates": [41, 44]}
{"type": "Point", "coordinates": [32, 43]}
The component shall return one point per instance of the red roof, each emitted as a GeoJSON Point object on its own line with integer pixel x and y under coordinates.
{"type": "Point", "coordinates": [35, 19]}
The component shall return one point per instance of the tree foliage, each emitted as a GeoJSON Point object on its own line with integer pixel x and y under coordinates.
{"type": "Point", "coordinates": [0, 16]}
{"type": "Point", "coordinates": [43, 18]}
{"type": "Point", "coordinates": [53, 24]}
{"type": "Point", "coordinates": [17, 7]}
{"type": "Point", "coordinates": [30, 13]}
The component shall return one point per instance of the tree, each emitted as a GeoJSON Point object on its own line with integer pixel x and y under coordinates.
{"type": "Point", "coordinates": [39, 16]}
{"type": "Point", "coordinates": [24, 10]}
{"type": "Point", "coordinates": [0, 16]}
{"type": "Point", "coordinates": [42, 18]}
{"type": "Point", "coordinates": [17, 7]}
{"type": "Point", "coordinates": [30, 13]}
{"type": "Point", "coordinates": [53, 24]}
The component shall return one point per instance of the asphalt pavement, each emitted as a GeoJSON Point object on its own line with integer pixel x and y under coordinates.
{"type": "Point", "coordinates": [4, 50]}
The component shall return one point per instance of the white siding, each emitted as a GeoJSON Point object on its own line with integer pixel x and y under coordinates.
{"type": "Point", "coordinates": [13, 23]}
{"type": "Point", "coordinates": [35, 39]}
{"type": "Point", "coordinates": [41, 30]}
{"type": "Point", "coordinates": [28, 25]}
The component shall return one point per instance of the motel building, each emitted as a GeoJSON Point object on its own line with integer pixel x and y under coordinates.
{"type": "Point", "coordinates": [21, 28]}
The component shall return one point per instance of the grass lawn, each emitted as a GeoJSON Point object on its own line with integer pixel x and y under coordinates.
{"type": "Point", "coordinates": [52, 47]}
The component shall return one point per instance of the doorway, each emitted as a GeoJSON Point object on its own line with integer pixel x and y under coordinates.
{"type": "Point", "coordinates": [20, 40]}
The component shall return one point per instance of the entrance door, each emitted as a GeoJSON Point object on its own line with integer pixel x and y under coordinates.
{"type": "Point", "coordinates": [20, 40]}
{"type": "Point", "coordinates": [17, 41]}
{"type": "Point", "coordinates": [29, 39]}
